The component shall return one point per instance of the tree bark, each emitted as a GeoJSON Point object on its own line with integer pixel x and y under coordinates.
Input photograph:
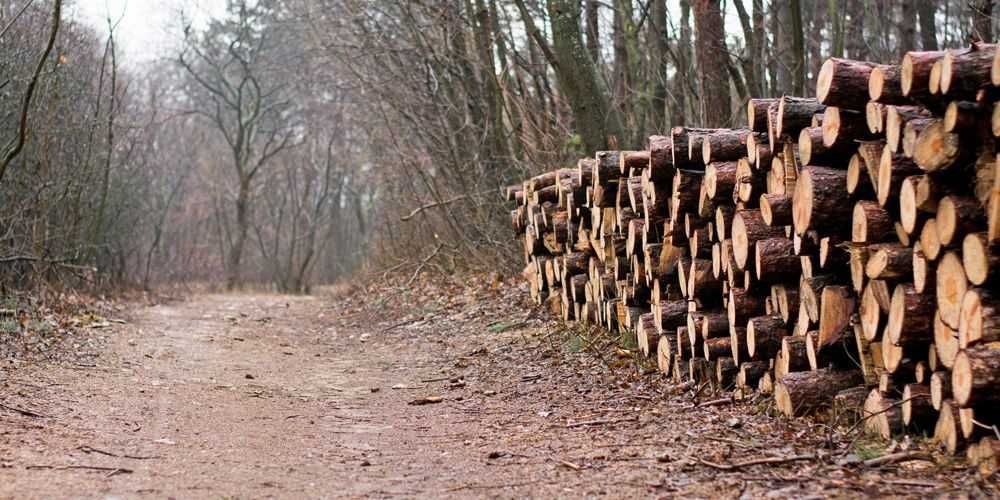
{"type": "Point", "coordinates": [713, 60]}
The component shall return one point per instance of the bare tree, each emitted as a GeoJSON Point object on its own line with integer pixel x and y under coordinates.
{"type": "Point", "coordinates": [241, 92]}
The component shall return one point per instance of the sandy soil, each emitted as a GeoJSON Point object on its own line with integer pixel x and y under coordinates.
{"type": "Point", "coordinates": [261, 396]}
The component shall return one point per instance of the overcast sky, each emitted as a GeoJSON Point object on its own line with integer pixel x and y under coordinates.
{"type": "Point", "coordinates": [148, 28]}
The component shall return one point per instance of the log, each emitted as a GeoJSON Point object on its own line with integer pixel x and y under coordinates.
{"type": "Point", "coordinates": [964, 71]}
{"type": "Point", "coordinates": [871, 223]}
{"type": "Point", "coordinates": [841, 127]}
{"type": "Point", "coordinates": [719, 347]}
{"type": "Point", "coordinates": [794, 355]}
{"type": "Point", "coordinates": [726, 371]}
{"type": "Point", "coordinates": [738, 343]}
{"type": "Point", "coordinates": [929, 242]}
{"type": "Point", "coordinates": [885, 85]}
{"type": "Point", "coordinates": [633, 161]}
{"type": "Point", "coordinates": [946, 342]}
{"type": "Point", "coordinates": [661, 160]}
{"type": "Point", "coordinates": [957, 216]}
{"type": "Point", "coordinates": [776, 209]}
{"type": "Point", "coordinates": [950, 289]}
{"type": "Point", "coordinates": [915, 73]}
{"type": "Point", "coordinates": [802, 393]}
{"type": "Point", "coordinates": [844, 83]}
{"type": "Point", "coordinates": [911, 316]}
{"type": "Point", "coordinates": [923, 272]}
{"type": "Point", "coordinates": [775, 260]}
{"type": "Point", "coordinates": [964, 117]}
{"type": "Point", "coordinates": [814, 151]}
{"type": "Point", "coordinates": [794, 114]}
{"type": "Point", "coordinates": [889, 261]}
{"type": "Point", "coordinates": [810, 290]}
{"type": "Point", "coordinates": [836, 308]}
{"type": "Point", "coordinates": [751, 373]}
{"type": "Point", "coordinates": [749, 183]}
{"type": "Point", "coordinates": [893, 169]}
{"type": "Point", "coordinates": [764, 335]}
{"type": "Point", "coordinates": [858, 181]}
{"type": "Point", "coordinates": [819, 199]}
{"type": "Point", "coordinates": [757, 113]}
{"type": "Point", "coordinates": [749, 228]}
{"type": "Point", "coordinates": [946, 431]}
{"type": "Point", "coordinates": [979, 320]}
{"type": "Point", "coordinates": [720, 179]}
{"type": "Point", "coordinates": [742, 305]}
{"type": "Point", "coordinates": [916, 406]}
{"type": "Point", "coordinates": [911, 134]}
{"type": "Point", "coordinates": [936, 149]}
{"type": "Point", "coordinates": [848, 404]}
{"type": "Point", "coordinates": [670, 315]}
{"type": "Point", "coordinates": [665, 355]}
{"type": "Point", "coordinates": [646, 334]}
{"type": "Point", "coordinates": [870, 310]}
{"type": "Point", "coordinates": [724, 145]}
{"type": "Point", "coordinates": [882, 415]}
{"type": "Point", "coordinates": [918, 196]}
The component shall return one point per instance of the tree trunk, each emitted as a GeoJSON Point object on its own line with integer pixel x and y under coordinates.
{"type": "Point", "coordinates": [982, 20]}
{"type": "Point", "coordinates": [713, 61]}
{"type": "Point", "coordinates": [928, 32]}
{"type": "Point", "coordinates": [233, 278]}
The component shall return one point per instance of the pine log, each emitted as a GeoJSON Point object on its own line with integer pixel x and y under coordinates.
{"type": "Point", "coordinates": [802, 393]}
{"type": "Point", "coordinates": [875, 117]}
{"type": "Point", "coordinates": [884, 85]}
{"type": "Point", "coordinates": [874, 308]}
{"type": "Point", "coordinates": [937, 150]}
{"type": "Point", "coordinates": [896, 120]}
{"type": "Point", "coordinates": [716, 348]}
{"type": "Point", "coordinates": [633, 161]}
{"type": "Point", "coordinates": [889, 261]}
{"type": "Point", "coordinates": [748, 228]}
{"type": "Point", "coordinates": [738, 343]}
{"type": "Point", "coordinates": [810, 291]}
{"type": "Point", "coordinates": [813, 150]}
{"type": "Point", "coordinates": [720, 179]}
{"type": "Point", "coordinates": [763, 336]}
{"type": "Point", "coordinates": [844, 83]}
{"type": "Point", "coordinates": [726, 371]}
{"type": "Point", "coordinates": [682, 348]}
{"type": "Point", "coordinates": [946, 342]}
{"type": "Point", "coordinates": [700, 370]}
{"type": "Point", "coordinates": [646, 334]}
{"type": "Point", "coordinates": [841, 127]}
{"type": "Point", "coordinates": [892, 170]}
{"type": "Point", "coordinates": [836, 308]}
{"type": "Point", "coordinates": [724, 145]}
{"type": "Point", "coordinates": [882, 415]}
{"type": "Point", "coordinates": [665, 355]}
{"type": "Point", "coordinates": [757, 113]}
{"type": "Point", "coordinates": [911, 316]}
{"type": "Point", "coordinates": [919, 194]}
{"type": "Point", "coordinates": [660, 156]}
{"type": "Point", "coordinates": [751, 373]}
{"type": "Point", "coordinates": [749, 182]}
{"type": "Point", "coordinates": [946, 431]}
{"type": "Point", "coordinates": [869, 357]}
{"type": "Point", "coordinates": [670, 315]}
{"type": "Point", "coordinates": [794, 114]}
{"type": "Point", "coordinates": [964, 71]}
{"type": "Point", "coordinates": [957, 216]}
{"type": "Point", "coordinates": [915, 73]}
{"type": "Point", "coordinates": [929, 242]}
{"type": "Point", "coordinates": [979, 320]}
{"type": "Point", "coordinates": [775, 260]}
{"type": "Point", "coordinates": [916, 406]}
{"type": "Point", "coordinates": [900, 356]}
{"type": "Point", "coordinates": [950, 289]}
{"type": "Point", "coordinates": [923, 271]}
{"type": "Point", "coordinates": [870, 223]}
{"type": "Point", "coordinates": [819, 199]}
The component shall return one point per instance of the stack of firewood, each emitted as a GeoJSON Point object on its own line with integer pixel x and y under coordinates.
{"type": "Point", "coordinates": [840, 252]}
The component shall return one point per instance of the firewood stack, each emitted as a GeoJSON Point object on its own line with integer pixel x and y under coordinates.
{"type": "Point", "coordinates": [840, 252]}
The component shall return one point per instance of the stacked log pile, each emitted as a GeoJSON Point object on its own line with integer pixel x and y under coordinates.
{"type": "Point", "coordinates": [840, 252]}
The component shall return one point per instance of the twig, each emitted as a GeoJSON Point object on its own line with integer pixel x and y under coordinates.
{"type": "Point", "coordinates": [897, 457]}
{"type": "Point", "coordinates": [424, 263]}
{"type": "Point", "coordinates": [714, 402]}
{"type": "Point", "coordinates": [112, 470]}
{"type": "Point", "coordinates": [91, 449]}
{"type": "Point", "coordinates": [26, 413]}
{"type": "Point", "coordinates": [601, 422]}
{"type": "Point", "coordinates": [432, 205]}
{"type": "Point", "coordinates": [758, 461]}
{"type": "Point", "coordinates": [490, 486]}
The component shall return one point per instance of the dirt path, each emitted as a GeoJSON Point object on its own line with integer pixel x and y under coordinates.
{"type": "Point", "coordinates": [253, 396]}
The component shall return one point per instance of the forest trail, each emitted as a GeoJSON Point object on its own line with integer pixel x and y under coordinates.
{"type": "Point", "coordinates": [258, 396]}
